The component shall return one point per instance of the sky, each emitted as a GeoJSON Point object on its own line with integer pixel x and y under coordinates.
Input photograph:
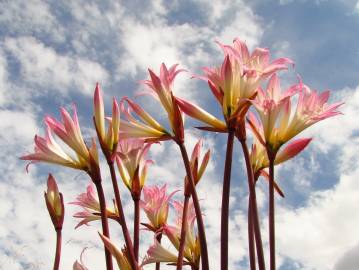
{"type": "Point", "coordinates": [52, 53]}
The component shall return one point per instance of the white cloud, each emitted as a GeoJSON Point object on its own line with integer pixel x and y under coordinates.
{"type": "Point", "coordinates": [29, 18]}
{"type": "Point", "coordinates": [42, 67]}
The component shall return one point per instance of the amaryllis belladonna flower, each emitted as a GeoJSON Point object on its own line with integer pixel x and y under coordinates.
{"type": "Point", "coordinates": [47, 150]}
{"type": "Point", "coordinates": [155, 203]}
{"type": "Point", "coordinates": [54, 203]}
{"type": "Point", "coordinates": [110, 137]}
{"type": "Point", "coordinates": [160, 87]}
{"type": "Point", "coordinates": [274, 110]}
{"type": "Point", "coordinates": [132, 163]}
{"type": "Point", "coordinates": [91, 210]}
{"type": "Point", "coordinates": [234, 83]}
{"type": "Point", "coordinates": [79, 265]}
{"type": "Point", "coordinates": [157, 253]}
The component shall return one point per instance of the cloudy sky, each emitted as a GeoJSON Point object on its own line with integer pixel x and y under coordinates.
{"type": "Point", "coordinates": [53, 52]}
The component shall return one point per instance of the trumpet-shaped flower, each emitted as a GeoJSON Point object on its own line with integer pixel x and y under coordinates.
{"type": "Point", "coordinates": [47, 150]}
{"type": "Point", "coordinates": [119, 255]}
{"type": "Point", "coordinates": [108, 139]}
{"type": "Point", "coordinates": [274, 109]}
{"type": "Point", "coordinates": [160, 86]}
{"type": "Point", "coordinates": [131, 162]}
{"type": "Point", "coordinates": [54, 203]}
{"type": "Point", "coordinates": [157, 253]}
{"type": "Point", "coordinates": [239, 76]}
{"type": "Point", "coordinates": [91, 207]}
{"type": "Point", "coordinates": [69, 131]}
{"type": "Point", "coordinates": [155, 203]}
{"type": "Point", "coordinates": [146, 127]}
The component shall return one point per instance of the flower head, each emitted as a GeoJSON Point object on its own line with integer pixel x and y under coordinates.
{"type": "Point", "coordinates": [155, 203]}
{"type": "Point", "coordinates": [145, 127]}
{"type": "Point", "coordinates": [239, 76]}
{"type": "Point", "coordinates": [54, 203]}
{"type": "Point", "coordinates": [160, 87]}
{"type": "Point", "coordinates": [132, 163]}
{"type": "Point", "coordinates": [47, 150]}
{"type": "Point", "coordinates": [274, 109]}
{"type": "Point", "coordinates": [91, 207]}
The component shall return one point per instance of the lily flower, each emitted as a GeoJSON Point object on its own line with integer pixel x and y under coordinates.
{"type": "Point", "coordinates": [155, 203]}
{"type": "Point", "coordinates": [131, 162]}
{"type": "Point", "coordinates": [47, 150]}
{"type": "Point", "coordinates": [107, 139]}
{"type": "Point", "coordinates": [55, 203]}
{"type": "Point", "coordinates": [157, 253]}
{"type": "Point", "coordinates": [235, 82]}
{"type": "Point", "coordinates": [160, 87]}
{"type": "Point", "coordinates": [146, 127]}
{"type": "Point", "coordinates": [91, 207]}
{"type": "Point", "coordinates": [274, 109]}
{"type": "Point", "coordinates": [119, 255]}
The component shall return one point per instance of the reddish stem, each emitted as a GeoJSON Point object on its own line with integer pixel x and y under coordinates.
{"type": "Point", "coordinates": [200, 224]}
{"type": "Point", "coordinates": [253, 207]}
{"type": "Point", "coordinates": [271, 212]}
{"type": "Point", "coordinates": [225, 201]}
{"type": "Point", "coordinates": [136, 227]}
{"type": "Point", "coordinates": [123, 223]}
{"type": "Point", "coordinates": [251, 244]}
{"type": "Point", "coordinates": [183, 233]}
{"type": "Point", "coordinates": [58, 249]}
{"type": "Point", "coordinates": [104, 221]}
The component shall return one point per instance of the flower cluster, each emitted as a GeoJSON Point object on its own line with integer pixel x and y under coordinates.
{"type": "Point", "coordinates": [247, 88]}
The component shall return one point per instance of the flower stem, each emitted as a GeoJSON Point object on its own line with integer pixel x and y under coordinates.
{"type": "Point", "coordinates": [253, 210]}
{"type": "Point", "coordinates": [200, 224]}
{"type": "Point", "coordinates": [104, 221]}
{"type": "Point", "coordinates": [58, 249]}
{"type": "Point", "coordinates": [183, 232]}
{"type": "Point", "coordinates": [225, 201]}
{"type": "Point", "coordinates": [125, 231]}
{"type": "Point", "coordinates": [251, 244]}
{"type": "Point", "coordinates": [158, 237]}
{"type": "Point", "coordinates": [136, 227]}
{"type": "Point", "coordinates": [271, 212]}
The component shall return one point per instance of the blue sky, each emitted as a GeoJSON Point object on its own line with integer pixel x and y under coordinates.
{"type": "Point", "coordinates": [53, 52]}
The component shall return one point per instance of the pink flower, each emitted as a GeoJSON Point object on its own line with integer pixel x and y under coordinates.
{"type": "Point", "coordinates": [146, 127]}
{"type": "Point", "coordinates": [54, 203]}
{"type": "Point", "coordinates": [91, 207]}
{"type": "Point", "coordinates": [239, 76]}
{"type": "Point", "coordinates": [160, 87]}
{"type": "Point", "coordinates": [155, 203]}
{"type": "Point", "coordinates": [108, 139]}
{"type": "Point", "coordinates": [131, 162]}
{"type": "Point", "coordinates": [274, 109]}
{"type": "Point", "coordinates": [119, 255]}
{"type": "Point", "coordinates": [157, 253]}
{"type": "Point", "coordinates": [47, 150]}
